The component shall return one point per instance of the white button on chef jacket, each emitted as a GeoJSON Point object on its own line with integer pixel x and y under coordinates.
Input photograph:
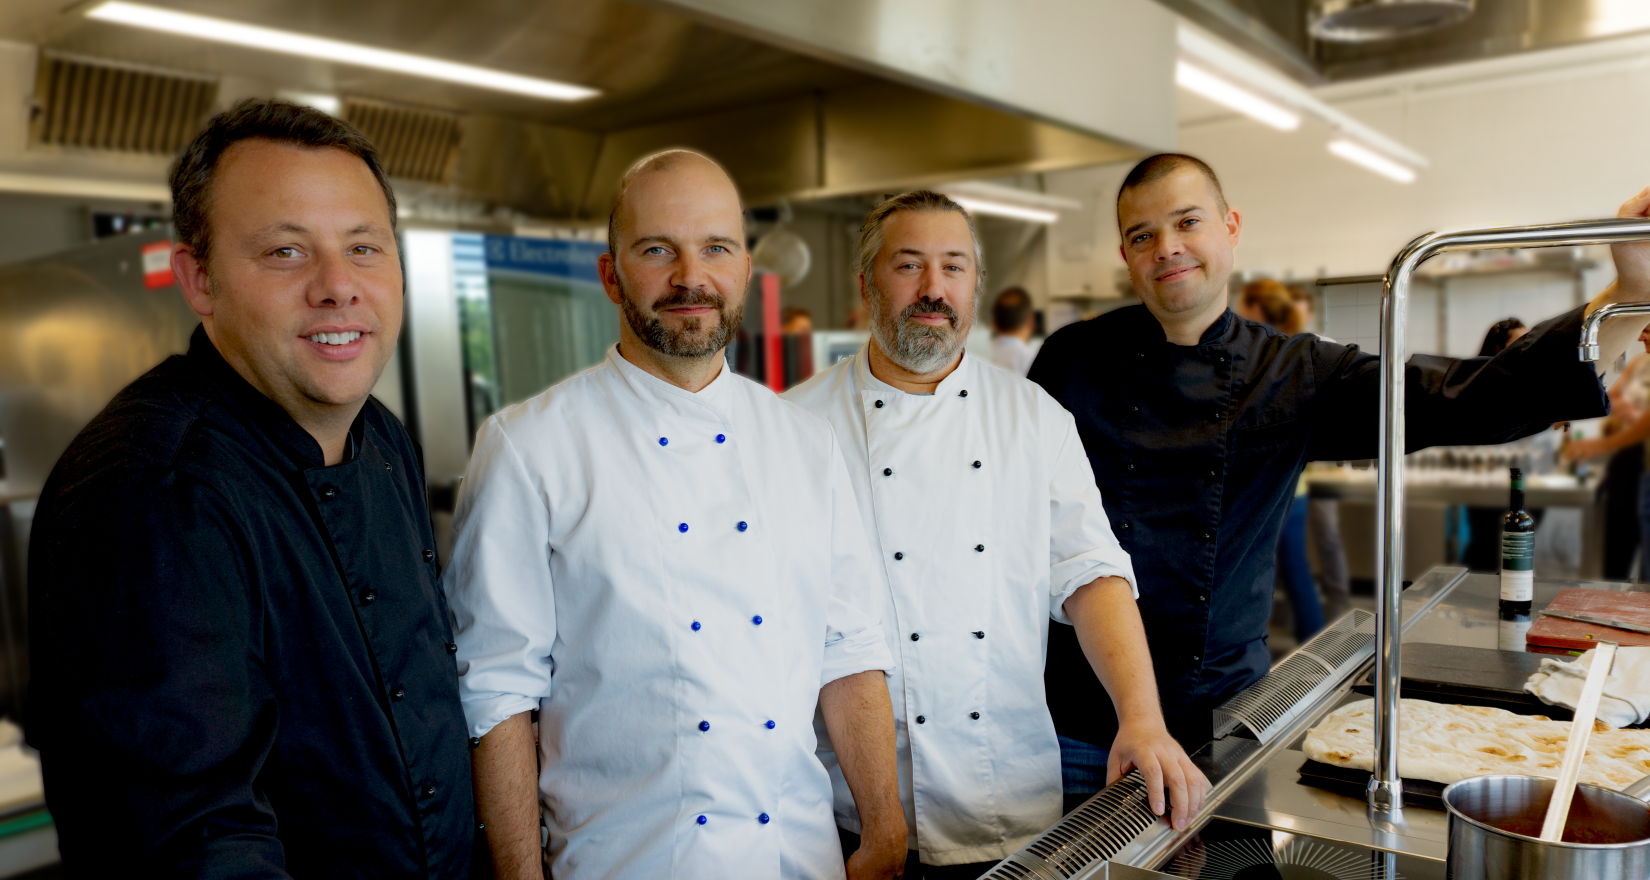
{"type": "Point", "coordinates": [669, 577]}
{"type": "Point", "coordinates": [988, 518]}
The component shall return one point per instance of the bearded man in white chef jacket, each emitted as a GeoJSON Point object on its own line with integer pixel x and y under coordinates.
{"type": "Point", "coordinates": [989, 525]}
{"type": "Point", "coordinates": [668, 562]}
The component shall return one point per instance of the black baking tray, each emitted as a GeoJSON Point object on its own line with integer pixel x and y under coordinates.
{"type": "Point", "coordinates": [1470, 677]}
{"type": "Point", "coordinates": [1355, 783]}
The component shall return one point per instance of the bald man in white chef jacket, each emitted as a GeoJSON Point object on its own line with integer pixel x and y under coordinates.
{"type": "Point", "coordinates": [668, 562]}
{"type": "Point", "coordinates": [989, 525]}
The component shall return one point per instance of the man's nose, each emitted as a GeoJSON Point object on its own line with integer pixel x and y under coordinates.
{"type": "Point", "coordinates": [334, 284]}
{"type": "Point", "coordinates": [691, 273]}
{"type": "Point", "coordinates": [1168, 247]}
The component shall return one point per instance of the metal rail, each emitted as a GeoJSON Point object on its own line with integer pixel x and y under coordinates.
{"type": "Point", "coordinates": [1385, 793]}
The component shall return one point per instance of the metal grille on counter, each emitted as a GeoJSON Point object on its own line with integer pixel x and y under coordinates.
{"type": "Point", "coordinates": [1268, 705]}
{"type": "Point", "coordinates": [1095, 831]}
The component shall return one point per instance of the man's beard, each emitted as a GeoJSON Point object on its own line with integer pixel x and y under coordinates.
{"type": "Point", "coordinates": [919, 348]}
{"type": "Point", "coordinates": [692, 340]}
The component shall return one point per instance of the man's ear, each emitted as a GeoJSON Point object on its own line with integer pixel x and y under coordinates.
{"type": "Point", "coordinates": [192, 279]}
{"type": "Point", "coordinates": [1234, 225]}
{"type": "Point", "coordinates": [608, 269]}
{"type": "Point", "coordinates": [864, 294]}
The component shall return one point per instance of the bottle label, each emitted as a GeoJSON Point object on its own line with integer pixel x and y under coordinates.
{"type": "Point", "coordinates": [1517, 566]}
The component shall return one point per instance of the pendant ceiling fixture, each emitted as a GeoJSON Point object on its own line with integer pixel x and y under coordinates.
{"type": "Point", "coordinates": [1366, 21]}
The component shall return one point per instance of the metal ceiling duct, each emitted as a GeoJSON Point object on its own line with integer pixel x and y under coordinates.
{"type": "Point", "coordinates": [414, 143]}
{"type": "Point", "coordinates": [1367, 21]}
{"type": "Point", "coordinates": [95, 104]}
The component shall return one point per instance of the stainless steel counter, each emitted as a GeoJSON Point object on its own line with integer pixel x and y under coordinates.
{"type": "Point", "coordinates": [1257, 784]}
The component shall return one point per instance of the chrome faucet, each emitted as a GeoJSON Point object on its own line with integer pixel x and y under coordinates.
{"type": "Point", "coordinates": [1385, 793]}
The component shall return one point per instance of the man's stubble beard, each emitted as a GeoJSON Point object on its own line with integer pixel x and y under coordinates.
{"type": "Point", "coordinates": [918, 348]}
{"type": "Point", "coordinates": [692, 340]}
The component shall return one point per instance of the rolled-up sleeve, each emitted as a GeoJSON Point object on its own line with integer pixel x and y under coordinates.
{"type": "Point", "coordinates": [854, 640]}
{"type": "Point", "coordinates": [499, 585]}
{"type": "Point", "coordinates": [1082, 547]}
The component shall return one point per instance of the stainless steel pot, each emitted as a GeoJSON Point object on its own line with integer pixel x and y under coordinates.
{"type": "Point", "coordinates": [1495, 823]}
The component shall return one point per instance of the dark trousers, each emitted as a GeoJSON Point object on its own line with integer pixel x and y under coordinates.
{"type": "Point", "coordinates": [916, 870]}
{"type": "Point", "coordinates": [1620, 494]}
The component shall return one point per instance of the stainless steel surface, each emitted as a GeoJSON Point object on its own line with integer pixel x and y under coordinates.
{"type": "Point", "coordinates": [1479, 849]}
{"type": "Point", "coordinates": [1355, 484]}
{"type": "Point", "coordinates": [1268, 705]}
{"type": "Point", "coordinates": [1575, 748]}
{"type": "Point", "coordinates": [1385, 788]}
{"type": "Point", "coordinates": [1599, 621]}
{"type": "Point", "coordinates": [436, 401]}
{"type": "Point", "coordinates": [1090, 834]}
{"type": "Point", "coordinates": [1366, 21]}
{"type": "Point", "coordinates": [1590, 325]}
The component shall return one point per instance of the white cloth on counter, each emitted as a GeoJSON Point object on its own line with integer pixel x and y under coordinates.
{"type": "Point", "coordinates": [1626, 697]}
{"type": "Point", "coordinates": [669, 578]}
{"type": "Point", "coordinates": [987, 518]}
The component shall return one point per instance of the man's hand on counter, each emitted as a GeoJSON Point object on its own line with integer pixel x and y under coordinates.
{"type": "Point", "coordinates": [1164, 766]}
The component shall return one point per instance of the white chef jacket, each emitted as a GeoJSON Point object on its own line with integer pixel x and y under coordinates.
{"type": "Point", "coordinates": [1012, 354]}
{"type": "Point", "coordinates": [988, 518]}
{"type": "Point", "coordinates": [669, 578]}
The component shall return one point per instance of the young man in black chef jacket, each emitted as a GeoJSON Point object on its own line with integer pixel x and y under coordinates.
{"type": "Point", "coordinates": [242, 658]}
{"type": "Point", "coordinates": [1198, 424]}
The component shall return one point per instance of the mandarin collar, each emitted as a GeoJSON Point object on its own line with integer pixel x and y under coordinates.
{"type": "Point", "coordinates": [1218, 332]}
{"type": "Point", "coordinates": [265, 414]}
{"type": "Point", "coordinates": [712, 403]}
{"type": "Point", "coordinates": [957, 381]}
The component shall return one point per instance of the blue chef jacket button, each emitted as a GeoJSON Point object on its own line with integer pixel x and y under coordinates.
{"type": "Point", "coordinates": [701, 820]}
{"type": "Point", "coordinates": [899, 555]}
{"type": "Point", "coordinates": [757, 620]}
{"type": "Point", "coordinates": [721, 438]}
{"type": "Point", "coordinates": [696, 626]}
{"type": "Point", "coordinates": [769, 725]}
{"type": "Point", "coordinates": [704, 725]}
{"type": "Point", "coordinates": [887, 472]}
{"type": "Point", "coordinates": [879, 404]}
{"type": "Point", "coordinates": [743, 525]}
{"type": "Point", "coordinates": [664, 441]}
{"type": "Point", "coordinates": [682, 527]}
{"type": "Point", "coordinates": [763, 819]}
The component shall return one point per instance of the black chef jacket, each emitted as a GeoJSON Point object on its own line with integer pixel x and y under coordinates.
{"type": "Point", "coordinates": [1198, 449]}
{"type": "Point", "coordinates": [241, 657]}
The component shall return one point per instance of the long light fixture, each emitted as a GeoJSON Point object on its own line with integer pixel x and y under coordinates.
{"type": "Point", "coordinates": [1003, 209]}
{"type": "Point", "coordinates": [337, 51]}
{"type": "Point", "coordinates": [1195, 79]}
{"type": "Point", "coordinates": [1358, 154]}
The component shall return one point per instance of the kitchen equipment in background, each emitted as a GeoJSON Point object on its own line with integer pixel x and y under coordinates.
{"type": "Point", "coordinates": [1493, 822]}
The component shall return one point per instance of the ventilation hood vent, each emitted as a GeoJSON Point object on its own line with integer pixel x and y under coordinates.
{"type": "Point", "coordinates": [414, 143]}
{"type": "Point", "coordinates": [1363, 21]}
{"type": "Point", "coordinates": [94, 104]}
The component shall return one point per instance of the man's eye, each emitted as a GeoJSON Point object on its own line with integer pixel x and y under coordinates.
{"type": "Point", "coordinates": [957, 268]}
{"type": "Point", "coordinates": [908, 265]}
{"type": "Point", "coordinates": [1138, 239]}
{"type": "Point", "coordinates": [717, 249]}
{"type": "Point", "coordinates": [285, 252]}
{"type": "Point", "coordinates": [654, 251]}
{"type": "Point", "coordinates": [361, 250]}
{"type": "Point", "coordinates": [1189, 221]}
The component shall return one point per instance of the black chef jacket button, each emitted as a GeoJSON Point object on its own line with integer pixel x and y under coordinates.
{"type": "Point", "coordinates": [452, 648]}
{"type": "Point", "coordinates": [475, 742]}
{"type": "Point", "coordinates": [976, 465]}
{"type": "Point", "coordinates": [1219, 416]}
{"type": "Point", "coordinates": [1221, 359]}
{"type": "Point", "coordinates": [979, 634]}
{"type": "Point", "coordinates": [481, 826]}
{"type": "Point", "coordinates": [368, 597]}
{"type": "Point", "coordinates": [1197, 658]}
{"type": "Point", "coordinates": [1208, 537]}
{"type": "Point", "coordinates": [429, 791]}
{"type": "Point", "coordinates": [974, 715]}
{"type": "Point", "coordinates": [914, 637]}
{"type": "Point", "coordinates": [922, 719]}
{"type": "Point", "coordinates": [879, 404]}
{"type": "Point", "coordinates": [899, 555]}
{"type": "Point", "coordinates": [429, 555]}
{"type": "Point", "coordinates": [1129, 466]}
{"type": "Point", "coordinates": [329, 492]}
{"type": "Point", "coordinates": [1214, 473]}
{"type": "Point", "coordinates": [963, 393]}
{"type": "Point", "coordinates": [398, 695]}
{"type": "Point", "coordinates": [887, 472]}
{"type": "Point", "coordinates": [387, 466]}
{"type": "Point", "coordinates": [1134, 409]}
{"type": "Point", "coordinates": [979, 548]}
{"type": "Point", "coordinates": [1123, 525]}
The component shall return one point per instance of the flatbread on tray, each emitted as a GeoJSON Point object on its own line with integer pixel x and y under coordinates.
{"type": "Point", "coordinates": [1446, 743]}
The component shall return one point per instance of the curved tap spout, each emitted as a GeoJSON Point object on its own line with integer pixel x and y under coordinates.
{"type": "Point", "coordinates": [1591, 323]}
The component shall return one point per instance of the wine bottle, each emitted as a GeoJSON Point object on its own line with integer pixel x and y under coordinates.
{"type": "Point", "coordinates": [1517, 550]}
{"type": "Point", "coordinates": [1513, 625]}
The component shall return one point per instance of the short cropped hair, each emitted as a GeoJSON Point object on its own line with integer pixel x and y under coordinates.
{"type": "Point", "coordinates": [283, 122]}
{"type": "Point", "coordinates": [871, 235]}
{"type": "Point", "coordinates": [663, 160]}
{"type": "Point", "coordinates": [1154, 168]}
{"type": "Point", "coordinates": [1011, 310]}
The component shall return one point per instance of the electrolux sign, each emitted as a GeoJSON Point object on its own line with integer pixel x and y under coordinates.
{"type": "Point", "coordinates": [573, 260]}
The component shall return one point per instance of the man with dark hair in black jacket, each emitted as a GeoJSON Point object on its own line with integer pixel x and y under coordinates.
{"type": "Point", "coordinates": [242, 657]}
{"type": "Point", "coordinates": [1198, 423]}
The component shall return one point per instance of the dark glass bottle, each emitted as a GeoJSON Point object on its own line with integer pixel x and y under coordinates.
{"type": "Point", "coordinates": [1517, 550]}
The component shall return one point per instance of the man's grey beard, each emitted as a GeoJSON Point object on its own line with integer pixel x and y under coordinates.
{"type": "Point", "coordinates": [692, 341]}
{"type": "Point", "coordinates": [919, 348]}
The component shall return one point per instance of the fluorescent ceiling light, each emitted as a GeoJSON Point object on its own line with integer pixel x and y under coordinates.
{"type": "Point", "coordinates": [1195, 79]}
{"type": "Point", "coordinates": [1003, 209]}
{"type": "Point", "coordinates": [1358, 154]}
{"type": "Point", "coordinates": [339, 52]}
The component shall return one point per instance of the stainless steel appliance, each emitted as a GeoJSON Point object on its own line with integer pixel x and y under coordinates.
{"type": "Point", "coordinates": [1494, 822]}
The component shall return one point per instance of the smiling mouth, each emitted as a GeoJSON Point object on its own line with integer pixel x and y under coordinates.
{"type": "Point", "coordinates": [1176, 274]}
{"type": "Point", "coordinates": [344, 338]}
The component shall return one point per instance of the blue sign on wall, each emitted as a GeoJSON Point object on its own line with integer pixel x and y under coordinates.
{"type": "Point", "coordinates": [575, 260]}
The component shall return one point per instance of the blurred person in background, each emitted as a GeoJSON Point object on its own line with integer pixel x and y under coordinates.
{"type": "Point", "coordinates": [796, 321]}
{"type": "Point", "coordinates": [1275, 304]}
{"type": "Point", "coordinates": [242, 657]}
{"type": "Point", "coordinates": [1500, 335]}
{"type": "Point", "coordinates": [668, 563]}
{"type": "Point", "coordinates": [1626, 484]}
{"type": "Point", "coordinates": [1202, 423]}
{"type": "Point", "coordinates": [1483, 548]}
{"type": "Point", "coordinates": [1012, 320]}
{"type": "Point", "coordinates": [989, 524]}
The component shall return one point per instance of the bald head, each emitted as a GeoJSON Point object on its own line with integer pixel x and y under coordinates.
{"type": "Point", "coordinates": [694, 166]}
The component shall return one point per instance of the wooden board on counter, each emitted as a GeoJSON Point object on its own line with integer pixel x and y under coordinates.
{"type": "Point", "coordinates": [1555, 635]}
